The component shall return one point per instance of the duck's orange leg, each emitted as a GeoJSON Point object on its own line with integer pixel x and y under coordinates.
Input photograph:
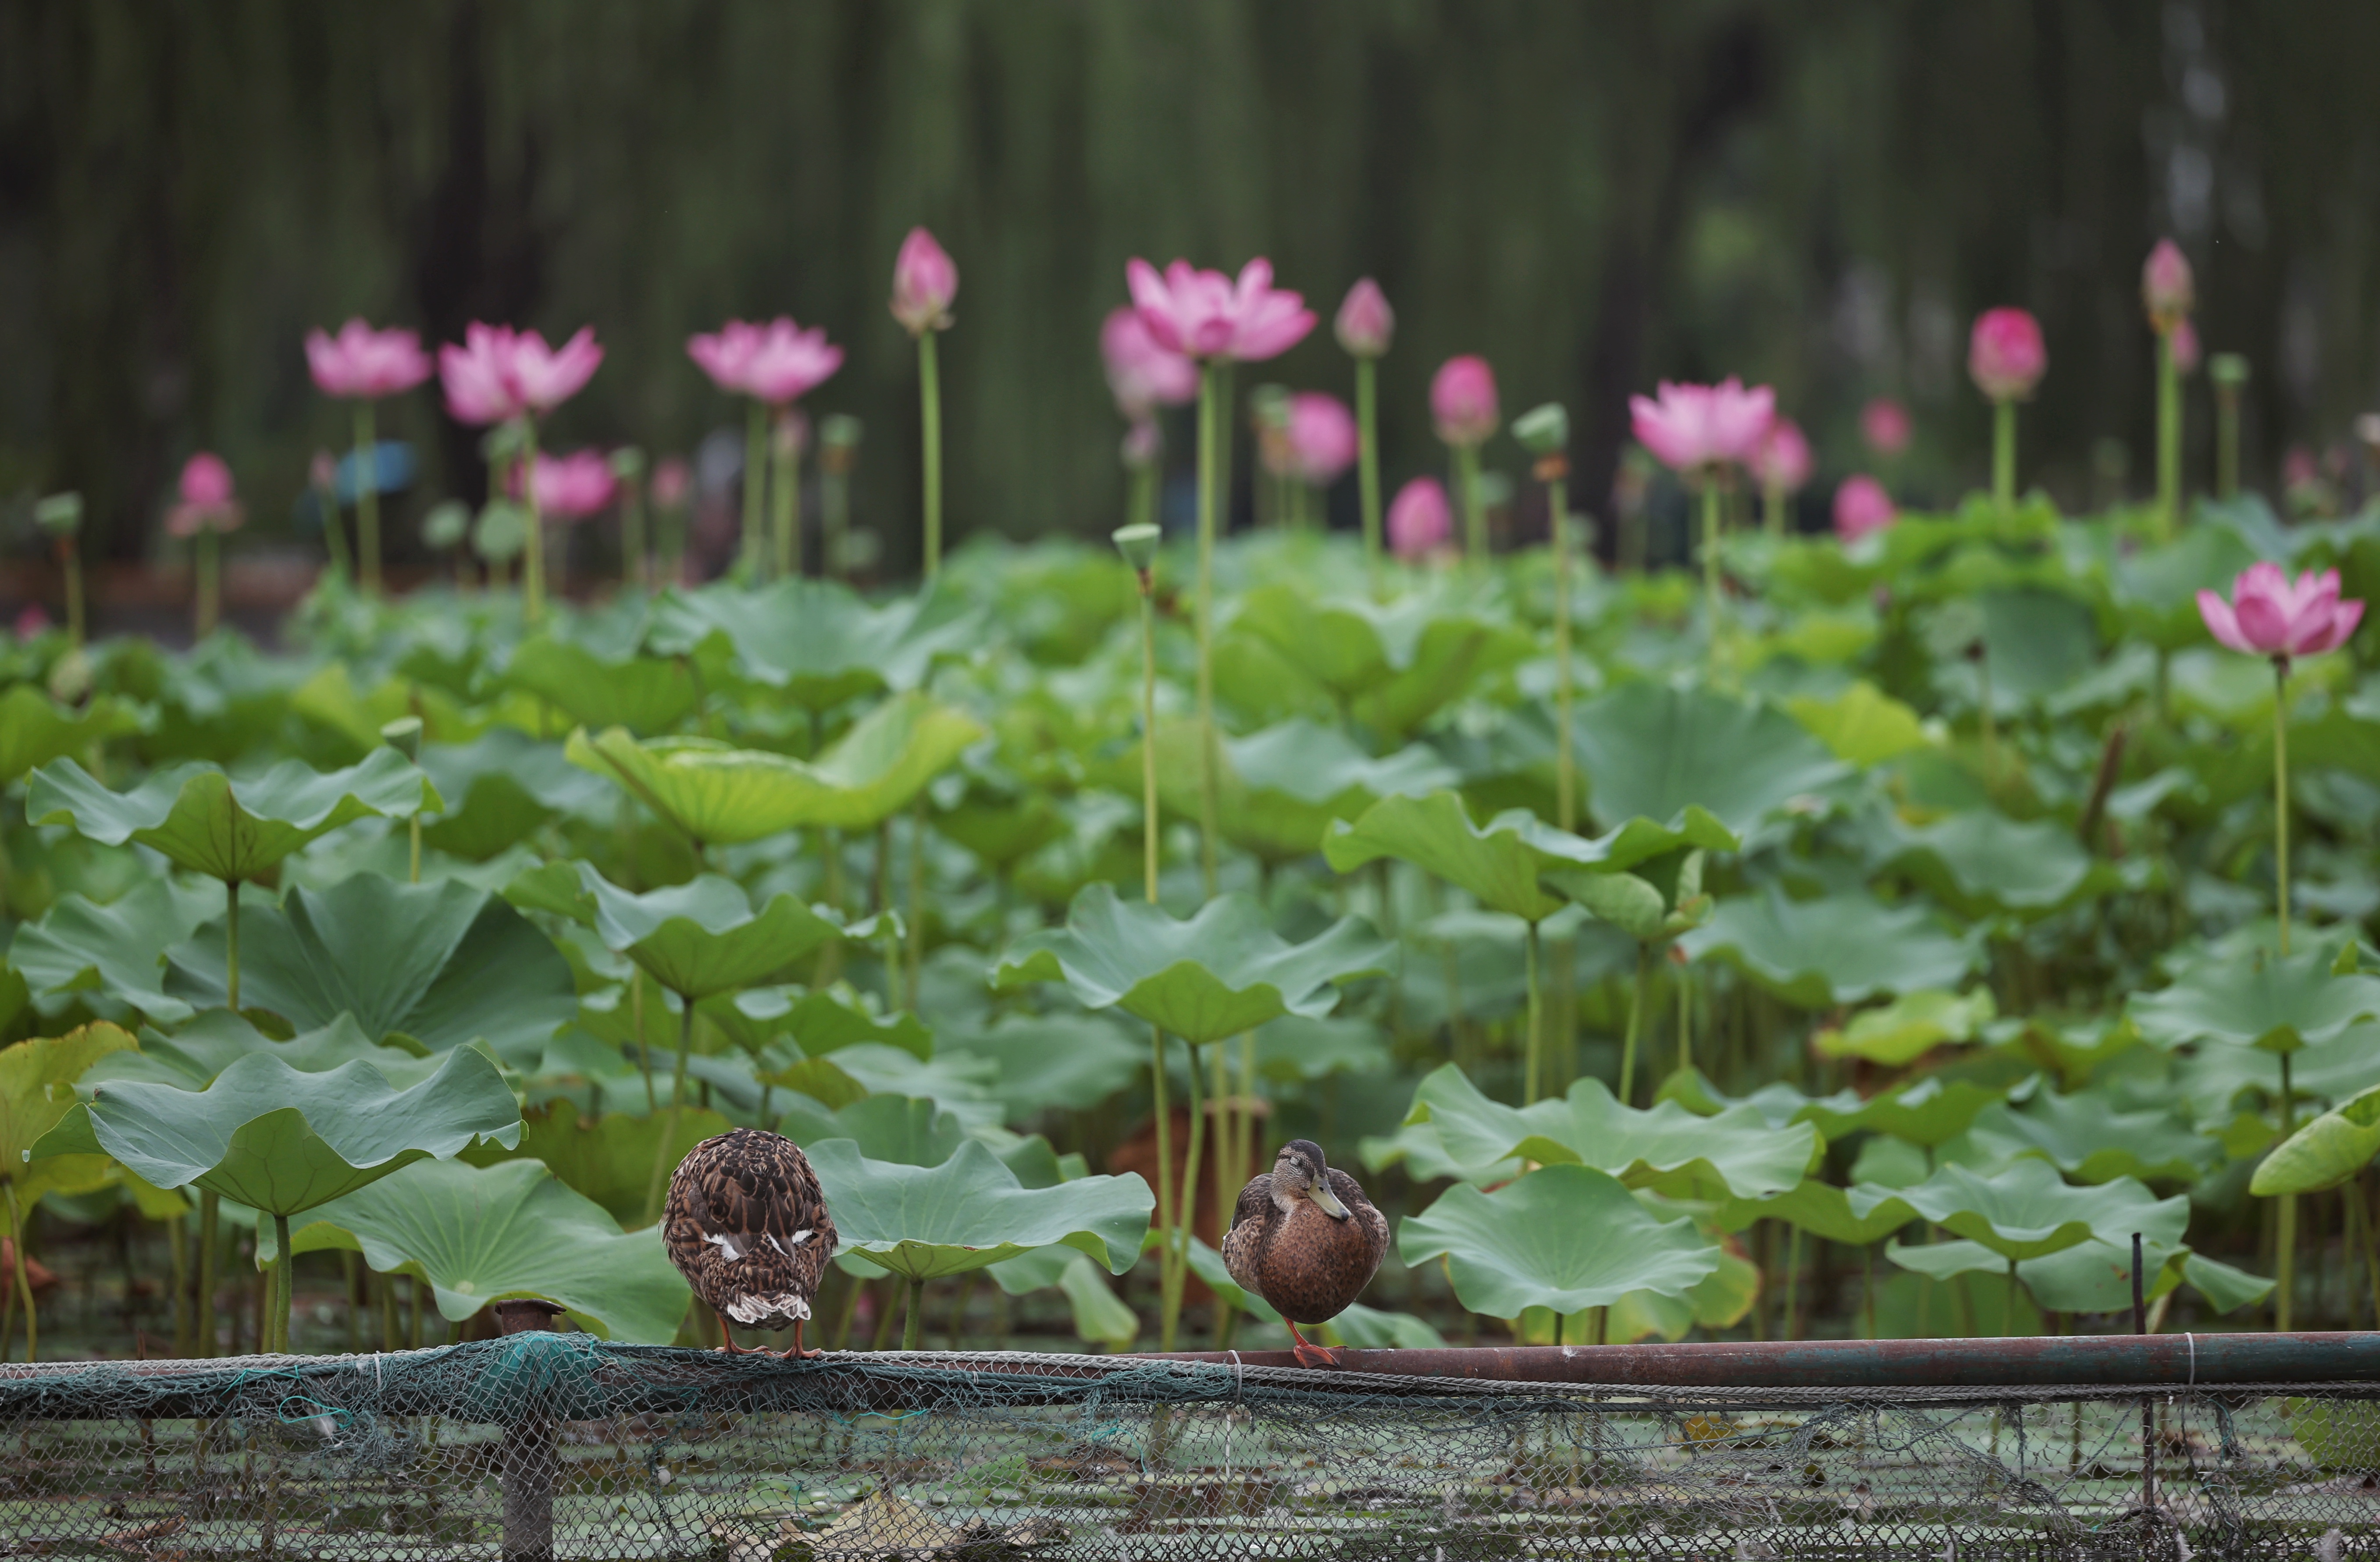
{"type": "Point", "coordinates": [798, 1353]}
{"type": "Point", "coordinates": [1309, 1354]}
{"type": "Point", "coordinates": [727, 1335]}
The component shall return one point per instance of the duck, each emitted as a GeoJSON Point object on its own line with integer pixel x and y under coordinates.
{"type": "Point", "coordinates": [747, 1224]}
{"type": "Point", "coordinates": [1306, 1238]}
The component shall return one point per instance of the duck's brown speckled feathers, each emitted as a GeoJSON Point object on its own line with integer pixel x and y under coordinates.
{"type": "Point", "coordinates": [747, 1224]}
{"type": "Point", "coordinates": [1291, 1250]}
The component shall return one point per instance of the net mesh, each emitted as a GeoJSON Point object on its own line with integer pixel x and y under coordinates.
{"type": "Point", "coordinates": [559, 1445]}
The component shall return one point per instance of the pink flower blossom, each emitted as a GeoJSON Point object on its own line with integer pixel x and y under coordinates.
{"type": "Point", "coordinates": [1692, 428]}
{"type": "Point", "coordinates": [788, 362]}
{"type": "Point", "coordinates": [543, 377]}
{"type": "Point", "coordinates": [1420, 520]}
{"type": "Point", "coordinates": [725, 353]}
{"type": "Point", "coordinates": [1861, 506]}
{"type": "Point", "coordinates": [673, 480]}
{"type": "Point", "coordinates": [1208, 316]}
{"type": "Point", "coordinates": [925, 280]}
{"type": "Point", "coordinates": [1783, 461]}
{"type": "Point", "coordinates": [1884, 424]}
{"type": "Point", "coordinates": [2167, 289]}
{"type": "Point", "coordinates": [206, 499]}
{"type": "Point", "coordinates": [1366, 323]}
{"type": "Point", "coordinates": [2270, 615]}
{"type": "Point", "coordinates": [572, 486]}
{"type": "Point", "coordinates": [360, 361]}
{"type": "Point", "coordinates": [1463, 400]}
{"type": "Point", "coordinates": [478, 390]}
{"type": "Point", "coordinates": [1143, 375]}
{"type": "Point", "coordinates": [2182, 343]}
{"type": "Point", "coordinates": [2004, 355]}
{"type": "Point", "coordinates": [1320, 437]}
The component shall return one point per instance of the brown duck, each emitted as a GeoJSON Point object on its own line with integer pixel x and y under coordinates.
{"type": "Point", "coordinates": [747, 1224]}
{"type": "Point", "coordinates": [1306, 1239]}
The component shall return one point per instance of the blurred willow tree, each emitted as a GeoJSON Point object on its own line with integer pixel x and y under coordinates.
{"type": "Point", "coordinates": [1594, 193]}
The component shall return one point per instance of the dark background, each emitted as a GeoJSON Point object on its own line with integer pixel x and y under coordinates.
{"type": "Point", "coordinates": [1593, 193]}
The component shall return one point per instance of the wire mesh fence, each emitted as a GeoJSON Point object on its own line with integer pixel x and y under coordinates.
{"type": "Point", "coordinates": [540, 1446]}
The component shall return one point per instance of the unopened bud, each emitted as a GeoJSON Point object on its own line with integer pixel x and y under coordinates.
{"type": "Point", "coordinates": [1139, 546]}
{"type": "Point", "coordinates": [404, 735]}
{"type": "Point", "coordinates": [60, 513]}
{"type": "Point", "coordinates": [1543, 430]}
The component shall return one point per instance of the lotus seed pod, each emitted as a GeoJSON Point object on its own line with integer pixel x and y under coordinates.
{"type": "Point", "coordinates": [1543, 430]}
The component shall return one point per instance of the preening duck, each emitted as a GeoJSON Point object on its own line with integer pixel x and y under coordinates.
{"type": "Point", "coordinates": [747, 1224]}
{"type": "Point", "coordinates": [1306, 1238]}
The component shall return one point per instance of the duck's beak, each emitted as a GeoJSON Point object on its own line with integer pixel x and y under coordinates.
{"type": "Point", "coordinates": [1327, 1201]}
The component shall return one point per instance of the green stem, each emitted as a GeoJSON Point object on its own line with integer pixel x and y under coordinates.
{"type": "Point", "coordinates": [23, 1265]}
{"type": "Point", "coordinates": [1565, 761]}
{"type": "Point", "coordinates": [930, 408]}
{"type": "Point", "coordinates": [1713, 514]}
{"type": "Point", "coordinates": [1140, 502]}
{"type": "Point", "coordinates": [916, 929]}
{"type": "Point", "coordinates": [210, 1239]}
{"type": "Point", "coordinates": [2168, 419]}
{"type": "Point", "coordinates": [1367, 462]}
{"type": "Point", "coordinates": [913, 1324]}
{"type": "Point", "coordinates": [367, 498]}
{"type": "Point", "coordinates": [413, 867]}
{"type": "Point", "coordinates": [785, 503]}
{"type": "Point", "coordinates": [2281, 796]}
{"type": "Point", "coordinates": [756, 467]}
{"type": "Point", "coordinates": [284, 1283]}
{"type": "Point", "coordinates": [209, 549]}
{"type": "Point", "coordinates": [1772, 510]}
{"type": "Point", "coordinates": [1794, 1282]}
{"type": "Point", "coordinates": [1474, 516]}
{"type": "Point", "coordinates": [1685, 1022]}
{"type": "Point", "coordinates": [2004, 453]}
{"type": "Point", "coordinates": [1166, 1254]}
{"type": "Point", "coordinates": [633, 555]}
{"type": "Point", "coordinates": [73, 559]}
{"type": "Point", "coordinates": [1210, 416]}
{"type": "Point", "coordinates": [2285, 1234]}
{"type": "Point", "coordinates": [1990, 720]}
{"type": "Point", "coordinates": [1149, 815]}
{"type": "Point", "coordinates": [1185, 1214]}
{"type": "Point", "coordinates": [677, 1106]}
{"type": "Point", "coordinates": [533, 555]}
{"type": "Point", "coordinates": [1533, 1073]}
{"type": "Point", "coordinates": [1642, 996]}
{"type": "Point", "coordinates": [231, 944]}
{"type": "Point", "coordinates": [2227, 442]}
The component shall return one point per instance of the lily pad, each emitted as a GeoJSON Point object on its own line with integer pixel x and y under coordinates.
{"type": "Point", "coordinates": [926, 1222]}
{"type": "Point", "coordinates": [1649, 751]}
{"type": "Point", "coordinates": [441, 963]}
{"type": "Point", "coordinates": [695, 939]}
{"type": "Point", "coordinates": [2252, 998]}
{"type": "Point", "coordinates": [1565, 1237]}
{"type": "Point", "coordinates": [226, 828]}
{"type": "Point", "coordinates": [212, 1042]}
{"type": "Point", "coordinates": [1222, 972]}
{"type": "Point", "coordinates": [1839, 950]}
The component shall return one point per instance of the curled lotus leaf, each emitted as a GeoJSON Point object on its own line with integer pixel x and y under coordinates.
{"type": "Point", "coordinates": [114, 948]}
{"type": "Point", "coordinates": [2324, 1153]}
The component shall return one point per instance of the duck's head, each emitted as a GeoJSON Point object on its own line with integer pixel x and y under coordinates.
{"type": "Point", "coordinates": [1298, 1172]}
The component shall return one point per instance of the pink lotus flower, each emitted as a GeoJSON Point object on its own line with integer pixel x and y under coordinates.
{"type": "Point", "coordinates": [2167, 288]}
{"type": "Point", "coordinates": [572, 486]}
{"type": "Point", "coordinates": [925, 280]}
{"type": "Point", "coordinates": [1783, 461]}
{"type": "Point", "coordinates": [1463, 400]}
{"type": "Point", "coordinates": [207, 503]}
{"type": "Point", "coordinates": [1885, 425]}
{"type": "Point", "coordinates": [2182, 343]}
{"type": "Point", "coordinates": [1320, 437]}
{"type": "Point", "coordinates": [1143, 375]}
{"type": "Point", "coordinates": [543, 377]}
{"type": "Point", "coordinates": [360, 361]}
{"type": "Point", "coordinates": [499, 373]}
{"type": "Point", "coordinates": [1366, 323]}
{"type": "Point", "coordinates": [2004, 355]}
{"type": "Point", "coordinates": [1208, 316]}
{"type": "Point", "coordinates": [725, 353]}
{"type": "Point", "coordinates": [1861, 506]}
{"type": "Point", "coordinates": [1420, 520]}
{"type": "Point", "coordinates": [2269, 616]}
{"type": "Point", "coordinates": [788, 362]}
{"type": "Point", "coordinates": [1692, 428]}
{"type": "Point", "coordinates": [672, 481]}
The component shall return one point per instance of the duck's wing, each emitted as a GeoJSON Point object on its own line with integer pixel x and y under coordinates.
{"type": "Point", "coordinates": [1362, 1210]}
{"type": "Point", "coordinates": [1242, 1242]}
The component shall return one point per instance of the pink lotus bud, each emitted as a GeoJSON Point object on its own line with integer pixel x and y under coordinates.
{"type": "Point", "coordinates": [2167, 289]}
{"type": "Point", "coordinates": [2004, 355]}
{"type": "Point", "coordinates": [1783, 461]}
{"type": "Point", "coordinates": [1696, 427]}
{"type": "Point", "coordinates": [1463, 400]}
{"type": "Point", "coordinates": [1861, 506]}
{"type": "Point", "coordinates": [673, 480]}
{"type": "Point", "coordinates": [1366, 323]}
{"type": "Point", "coordinates": [1320, 434]}
{"type": "Point", "coordinates": [2271, 615]}
{"type": "Point", "coordinates": [925, 280]}
{"type": "Point", "coordinates": [1420, 520]}
{"type": "Point", "coordinates": [1884, 424]}
{"type": "Point", "coordinates": [1206, 315]}
{"type": "Point", "coordinates": [362, 362]}
{"type": "Point", "coordinates": [206, 481]}
{"type": "Point", "coordinates": [1143, 375]}
{"type": "Point", "coordinates": [2182, 343]}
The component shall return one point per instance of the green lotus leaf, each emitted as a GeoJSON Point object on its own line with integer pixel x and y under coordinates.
{"type": "Point", "coordinates": [1055, 1062]}
{"type": "Point", "coordinates": [2090, 1139]}
{"type": "Point", "coordinates": [642, 694]}
{"type": "Point", "coordinates": [1928, 1111]}
{"type": "Point", "coordinates": [905, 1129]}
{"type": "Point", "coordinates": [279, 1140]}
{"type": "Point", "coordinates": [813, 640]}
{"type": "Point", "coordinates": [500, 789]}
{"type": "Point", "coordinates": [1101, 1316]}
{"type": "Point", "coordinates": [2253, 999]}
{"type": "Point", "coordinates": [116, 947]}
{"type": "Point", "coordinates": [1564, 1237]}
{"type": "Point", "coordinates": [1648, 751]}
{"type": "Point", "coordinates": [36, 1089]}
{"type": "Point", "coordinates": [1222, 972]}
{"type": "Point", "coordinates": [2037, 643]}
{"type": "Point", "coordinates": [695, 939]}
{"type": "Point", "coordinates": [925, 1222]}
{"type": "Point", "coordinates": [817, 1022]}
{"type": "Point", "coordinates": [2155, 590]}
{"type": "Point", "coordinates": [1391, 665]}
{"type": "Point", "coordinates": [225, 827]}
{"type": "Point", "coordinates": [2096, 1276]}
{"type": "Point", "coordinates": [1862, 725]}
{"type": "Point", "coordinates": [35, 729]}
{"type": "Point", "coordinates": [1213, 1273]}
{"type": "Point", "coordinates": [1979, 862]}
{"type": "Point", "coordinates": [212, 1042]}
{"type": "Point", "coordinates": [608, 1160]}
{"type": "Point", "coordinates": [1899, 1033]}
{"type": "Point", "coordinates": [483, 1234]}
{"type": "Point", "coordinates": [719, 794]}
{"type": "Point", "coordinates": [2324, 1153]}
{"type": "Point", "coordinates": [1946, 1261]}
{"type": "Point", "coordinates": [1369, 1328]}
{"type": "Point", "coordinates": [2026, 1210]}
{"type": "Point", "coordinates": [1820, 1208]}
{"type": "Point", "coordinates": [958, 1083]}
{"type": "Point", "coordinates": [442, 964]}
{"type": "Point", "coordinates": [1839, 950]}
{"type": "Point", "coordinates": [1503, 864]}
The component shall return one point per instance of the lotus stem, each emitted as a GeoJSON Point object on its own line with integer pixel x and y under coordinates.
{"type": "Point", "coordinates": [1367, 463]}
{"type": "Point", "coordinates": [413, 863]}
{"type": "Point", "coordinates": [1148, 815]}
{"type": "Point", "coordinates": [634, 559]}
{"type": "Point", "coordinates": [1566, 762]}
{"type": "Point", "coordinates": [1211, 414]}
{"type": "Point", "coordinates": [1772, 508]}
{"type": "Point", "coordinates": [929, 410]}
{"type": "Point", "coordinates": [2227, 440]}
{"type": "Point", "coordinates": [284, 1284]}
{"type": "Point", "coordinates": [177, 1253]}
{"type": "Point", "coordinates": [785, 505]}
{"type": "Point", "coordinates": [231, 943]}
{"type": "Point", "coordinates": [207, 550]}
{"type": "Point", "coordinates": [1642, 996]}
{"type": "Point", "coordinates": [1167, 1255]}
{"type": "Point", "coordinates": [756, 467]}
{"type": "Point", "coordinates": [533, 555]}
{"type": "Point", "coordinates": [1685, 1018]}
{"type": "Point", "coordinates": [1533, 1073]}
{"type": "Point", "coordinates": [2285, 1219]}
{"type": "Point", "coordinates": [677, 1106]}
{"type": "Point", "coordinates": [913, 1314]}
{"type": "Point", "coordinates": [916, 928]}
{"type": "Point", "coordinates": [70, 558]}
{"type": "Point", "coordinates": [22, 1265]}
{"type": "Point", "coordinates": [1185, 1217]}
{"type": "Point", "coordinates": [367, 497]}
{"type": "Point", "coordinates": [1713, 517]}
{"type": "Point", "coordinates": [1475, 516]}
{"type": "Point", "coordinates": [1794, 1282]}
{"type": "Point", "coordinates": [2168, 423]}
{"type": "Point", "coordinates": [2004, 453]}
{"type": "Point", "coordinates": [2007, 1302]}
{"type": "Point", "coordinates": [210, 1242]}
{"type": "Point", "coordinates": [2281, 796]}
{"type": "Point", "coordinates": [1990, 717]}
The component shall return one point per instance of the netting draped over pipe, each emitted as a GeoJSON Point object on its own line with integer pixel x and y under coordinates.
{"type": "Point", "coordinates": [558, 1445]}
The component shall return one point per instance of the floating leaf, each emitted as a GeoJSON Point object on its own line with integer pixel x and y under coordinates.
{"type": "Point", "coordinates": [1222, 972]}
{"type": "Point", "coordinates": [1839, 949]}
{"type": "Point", "coordinates": [1565, 1237]}
{"type": "Point", "coordinates": [925, 1222]}
{"type": "Point", "coordinates": [2251, 998]}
